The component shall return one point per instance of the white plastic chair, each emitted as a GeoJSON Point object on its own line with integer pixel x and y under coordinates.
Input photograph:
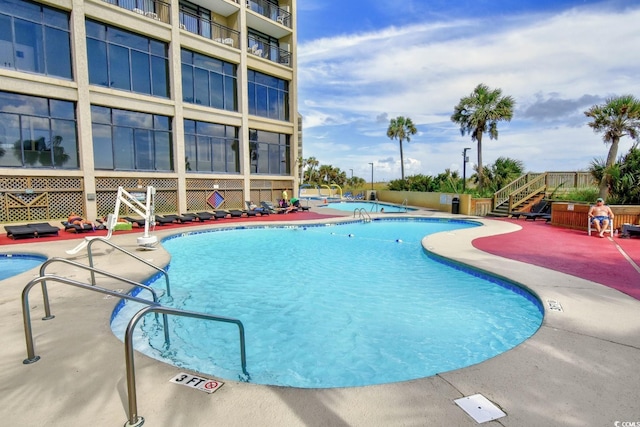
{"type": "Point", "coordinates": [609, 228]}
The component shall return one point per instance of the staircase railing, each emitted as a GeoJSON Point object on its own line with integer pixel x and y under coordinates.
{"type": "Point", "coordinates": [501, 196]}
{"type": "Point", "coordinates": [526, 192]}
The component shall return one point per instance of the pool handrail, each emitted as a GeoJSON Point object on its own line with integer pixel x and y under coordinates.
{"type": "Point", "coordinates": [362, 214]}
{"type": "Point", "coordinates": [134, 419]}
{"type": "Point", "coordinates": [26, 315]}
{"type": "Point", "coordinates": [93, 270]}
{"type": "Point", "coordinates": [405, 205]}
{"type": "Point", "coordinates": [144, 261]}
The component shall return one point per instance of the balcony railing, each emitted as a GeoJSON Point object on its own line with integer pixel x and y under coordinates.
{"type": "Point", "coordinates": [269, 51]}
{"type": "Point", "coordinates": [152, 9]}
{"type": "Point", "coordinates": [211, 30]}
{"type": "Point", "coordinates": [271, 11]}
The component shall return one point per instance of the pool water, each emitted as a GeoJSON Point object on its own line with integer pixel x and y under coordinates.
{"type": "Point", "coordinates": [13, 264]}
{"type": "Point", "coordinates": [332, 306]}
{"type": "Point", "coordinates": [367, 206]}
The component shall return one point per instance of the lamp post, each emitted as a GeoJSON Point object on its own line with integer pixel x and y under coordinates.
{"type": "Point", "coordinates": [465, 159]}
{"type": "Point", "coordinates": [351, 173]}
{"type": "Point", "coordinates": [371, 176]}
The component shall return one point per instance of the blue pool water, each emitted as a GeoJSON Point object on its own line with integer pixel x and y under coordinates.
{"type": "Point", "coordinates": [332, 306]}
{"type": "Point", "coordinates": [367, 206]}
{"type": "Point", "coordinates": [12, 264]}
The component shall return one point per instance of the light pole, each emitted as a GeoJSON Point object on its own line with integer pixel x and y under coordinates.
{"type": "Point", "coordinates": [465, 159]}
{"type": "Point", "coordinates": [351, 173]}
{"type": "Point", "coordinates": [371, 176]}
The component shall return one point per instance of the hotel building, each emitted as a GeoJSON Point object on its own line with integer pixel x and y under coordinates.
{"type": "Point", "coordinates": [195, 98]}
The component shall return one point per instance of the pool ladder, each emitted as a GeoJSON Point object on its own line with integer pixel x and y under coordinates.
{"type": "Point", "coordinates": [151, 306]}
{"type": "Point", "coordinates": [405, 203]}
{"type": "Point", "coordinates": [362, 214]}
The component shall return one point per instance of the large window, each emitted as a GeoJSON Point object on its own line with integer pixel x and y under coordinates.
{"type": "Point", "coordinates": [208, 81]}
{"type": "Point", "coordinates": [270, 152]}
{"type": "Point", "coordinates": [128, 140]}
{"type": "Point", "coordinates": [268, 96]}
{"type": "Point", "coordinates": [34, 38]}
{"type": "Point", "coordinates": [211, 147]}
{"type": "Point", "coordinates": [123, 60]}
{"type": "Point", "coordinates": [37, 132]}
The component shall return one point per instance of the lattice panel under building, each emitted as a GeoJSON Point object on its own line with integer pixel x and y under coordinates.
{"type": "Point", "coordinates": [214, 184]}
{"type": "Point", "coordinates": [166, 199]}
{"type": "Point", "coordinates": [27, 199]}
{"type": "Point", "coordinates": [198, 200]}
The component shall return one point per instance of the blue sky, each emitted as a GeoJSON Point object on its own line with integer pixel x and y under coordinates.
{"type": "Point", "coordinates": [361, 63]}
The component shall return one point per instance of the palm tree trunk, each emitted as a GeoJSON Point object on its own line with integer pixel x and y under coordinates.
{"type": "Point", "coordinates": [611, 159]}
{"type": "Point", "coordinates": [401, 160]}
{"type": "Point", "coordinates": [480, 168]}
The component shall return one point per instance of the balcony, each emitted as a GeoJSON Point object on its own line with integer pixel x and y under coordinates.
{"type": "Point", "coordinates": [152, 9]}
{"type": "Point", "coordinates": [210, 30]}
{"type": "Point", "coordinates": [264, 8]}
{"type": "Point", "coordinates": [269, 51]}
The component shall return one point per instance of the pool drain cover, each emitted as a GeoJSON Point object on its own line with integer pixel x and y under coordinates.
{"type": "Point", "coordinates": [479, 408]}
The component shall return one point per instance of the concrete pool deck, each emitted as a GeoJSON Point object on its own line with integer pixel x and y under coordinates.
{"type": "Point", "coordinates": [579, 369]}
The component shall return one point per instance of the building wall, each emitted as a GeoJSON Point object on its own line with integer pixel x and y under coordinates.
{"type": "Point", "coordinates": [35, 194]}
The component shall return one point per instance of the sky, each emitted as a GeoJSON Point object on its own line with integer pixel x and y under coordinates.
{"type": "Point", "coordinates": [362, 63]}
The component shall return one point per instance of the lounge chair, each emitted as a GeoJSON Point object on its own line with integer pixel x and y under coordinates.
{"type": "Point", "coordinates": [255, 211]}
{"type": "Point", "coordinates": [164, 220]}
{"type": "Point", "coordinates": [269, 207]}
{"type": "Point", "coordinates": [629, 230]}
{"type": "Point", "coordinates": [236, 213]}
{"type": "Point", "coordinates": [20, 231]}
{"type": "Point", "coordinates": [538, 210]}
{"type": "Point", "coordinates": [77, 228]}
{"type": "Point", "coordinates": [179, 218]}
{"type": "Point", "coordinates": [221, 214]}
{"type": "Point", "coordinates": [608, 229]}
{"type": "Point", "coordinates": [45, 229]}
{"type": "Point", "coordinates": [205, 216]}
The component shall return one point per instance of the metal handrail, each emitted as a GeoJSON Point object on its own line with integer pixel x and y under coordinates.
{"type": "Point", "coordinates": [131, 254]}
{"type": "Point", "coordinates": [405, 203]}
{"type": "Point", "coordinates": [362, 214]}
{"type": "Point", "coordinates": [45, 294]}
{"type": "Point", "coordinates": [134, 419]}
{"type": "Point", "coordinates": [26, 316]}
{"type": "Point", "coordinates": [209, 29]}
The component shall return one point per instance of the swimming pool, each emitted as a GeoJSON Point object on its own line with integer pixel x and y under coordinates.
{"type": "Point", "coordinates": [367, 206]}
{"type": "Point", "coordinates": [333, 306]}
{"type": "Point", "coordinates": [13, 264]}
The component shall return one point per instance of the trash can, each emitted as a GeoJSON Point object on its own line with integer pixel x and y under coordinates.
{"type": "Point", "coordinates": [455, 205]}
{"type": "Point", "coordinates": [372, 196]}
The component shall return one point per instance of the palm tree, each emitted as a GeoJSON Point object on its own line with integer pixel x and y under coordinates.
{"type": "Point", "coordinates": [401, 128]}
{"type": "Point", "coordinates": [312, 162]}
{"type": "Point", "coordinates": [480, 112]}
{"type": "Point", "coordinates": [617, 117]}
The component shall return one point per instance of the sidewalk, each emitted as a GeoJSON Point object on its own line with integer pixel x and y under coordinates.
{"type": "Point", "coordinates": [579, 369]}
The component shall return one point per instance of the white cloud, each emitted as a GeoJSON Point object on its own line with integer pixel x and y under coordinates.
{"type": "Point", "coordinates": [555, 66]}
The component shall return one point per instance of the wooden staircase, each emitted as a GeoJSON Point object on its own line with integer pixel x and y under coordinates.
{"type": "Point", "coordinates": [529, 189]}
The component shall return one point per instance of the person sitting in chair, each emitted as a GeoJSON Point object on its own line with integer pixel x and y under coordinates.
{"type": "Point", "coordinates": [600, 215]}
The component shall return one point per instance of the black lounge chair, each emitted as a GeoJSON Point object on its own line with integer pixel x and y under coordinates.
{"type": "Point", "coordinates": [255, 211]}
{"type": "Point", "coordinates": [164, 220]}
{"type": "Point", "coordinates": [628, 230]}
{"type": "Point", "coordinates": [20, 231]}
{"type": "Point", "coordinates": [180, 218]}
{"type": "Point", "coordinates": [205, 216]}
{"type": "Point", "coordinates": [140, 222]}
{"type": "Point", "coordinates": [220, 214]}
{"type": "Point", "coordinates": [236, 213]}
{"type": "Point", "coordinates": [77, 228]}
{"type": "Point", "coordinates": [270, 208]}
{"type": "Point", "coordinates": [538, 210]}
{"type": "Point", "coordinates": [45, 229]}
